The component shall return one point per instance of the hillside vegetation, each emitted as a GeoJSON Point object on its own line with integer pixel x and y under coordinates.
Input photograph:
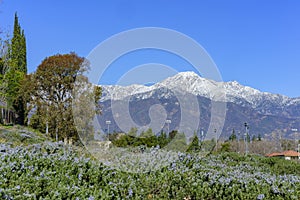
{"type": "Point", "coordinates": [20, 135]}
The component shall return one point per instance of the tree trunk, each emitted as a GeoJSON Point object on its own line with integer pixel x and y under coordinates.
{"type": "Point", "coordinates": [56, 134]}
{"type": "Point", "coordinates": [2, 117]}
{"type": "Point", "coordinates": [66, 140]}
{"type": "Point", "coordinates": [8, 120]}
{"type": "Point", "coordinates": [47, 128]}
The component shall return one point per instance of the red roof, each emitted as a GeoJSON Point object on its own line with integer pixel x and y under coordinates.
{"type": "Point", "coordinates": [288, 153]}
{"type": "Point", "coordinates": [291, 153]}
{"type": "Point", "coordinates": [274, 154]}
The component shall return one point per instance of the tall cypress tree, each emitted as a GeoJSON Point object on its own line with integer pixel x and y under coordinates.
{"type": "Point", "coordinates": [24, 53]}
{"type": "Point", "coordinates": [16, 72]}
{"type": "Point", "coordinates": [18, 48]}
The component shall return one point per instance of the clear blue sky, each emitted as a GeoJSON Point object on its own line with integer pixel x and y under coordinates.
{"type": "Point", "coordinates": [256, 43]}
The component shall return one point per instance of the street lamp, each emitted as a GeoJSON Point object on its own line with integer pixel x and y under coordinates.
{"type": "Point", "coordinates": [246, 137]}
{"type": "Point", "coordinates": [215, 130]}
{"type": "Point", "coordinates": [168, 122]}
{"type": "Point", "coordinates": [108, 122]}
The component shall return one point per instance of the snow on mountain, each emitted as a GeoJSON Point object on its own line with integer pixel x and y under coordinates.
{"type": "Point", "coordinates": [190, 82]}
{"type": "Point", "coordinates": [255, 97]}
{"type": "Point", "coordinates": [117, 92]}
{"type": "Point", "coordinates": [265, 112]}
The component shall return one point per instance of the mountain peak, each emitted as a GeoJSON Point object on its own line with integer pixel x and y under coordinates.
{"type": "Point", "coordinates": [234, 82]}
{"type": "Point", "coordinates": [184, 76]}
{"type": "Point", "coordinates": [188, 74]}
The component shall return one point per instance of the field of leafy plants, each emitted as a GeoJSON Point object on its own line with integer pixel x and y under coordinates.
{"type": "Point", "coordinates": [54, 171]}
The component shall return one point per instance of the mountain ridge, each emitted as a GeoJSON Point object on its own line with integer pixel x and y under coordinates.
{"type": "Point", "coordinates": [266, 112]}
{"type": "Point", "coordinates": [192, 83]}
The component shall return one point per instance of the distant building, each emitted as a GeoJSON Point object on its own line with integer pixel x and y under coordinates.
{"type": "Point", "coordinates": [287, 155]}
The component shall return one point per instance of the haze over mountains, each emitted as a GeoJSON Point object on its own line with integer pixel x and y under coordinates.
{"type": "Point", "coordinates": [267, 114]}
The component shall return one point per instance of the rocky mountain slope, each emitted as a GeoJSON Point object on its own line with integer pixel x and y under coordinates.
{"type": "Point", "coordinates": [266, 113]}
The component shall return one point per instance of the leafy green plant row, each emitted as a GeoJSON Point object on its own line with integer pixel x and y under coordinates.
{"type": "Point", "coordinates": [54, 171]}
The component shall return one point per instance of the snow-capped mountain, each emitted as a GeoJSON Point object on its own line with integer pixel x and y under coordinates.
{"type": "Point", "coordinates": [190, 82]}
{"type": "Point", "coordinates": [243, 102]}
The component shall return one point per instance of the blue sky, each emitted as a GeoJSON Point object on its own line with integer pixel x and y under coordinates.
{"type": "Point", "coordinates": [256, 43]}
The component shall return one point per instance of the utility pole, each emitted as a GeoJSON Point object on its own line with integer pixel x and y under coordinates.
{"type": "Point", "coordinates": [246, 138]}
{"type": "Point", "coordinates": [238, 141]}
{"type": "Point", "coordinates": [108, 122]}
{"type": "Point", "coordinates": [168, 122]}
{"type": "Point", "coordinates": [202, 140]}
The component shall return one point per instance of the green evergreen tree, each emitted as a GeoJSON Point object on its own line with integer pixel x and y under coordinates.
{"type": "Point", "coordinates": [194, 145]}
{"type": "Point", "coordinates": [13, 68]}
{"type": "Point", "coordinates": [162, 139]}
{"type": "Point", "coordinates": [15, 74]}
{"type": "Point", "coordinates": [259, 137]}
{"type": "Point", "coordinates": [18, 48]}
{"type": "Point", "coordinates": [172, 134]}
{"type": "Point", "coordinates": [232, 137]}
